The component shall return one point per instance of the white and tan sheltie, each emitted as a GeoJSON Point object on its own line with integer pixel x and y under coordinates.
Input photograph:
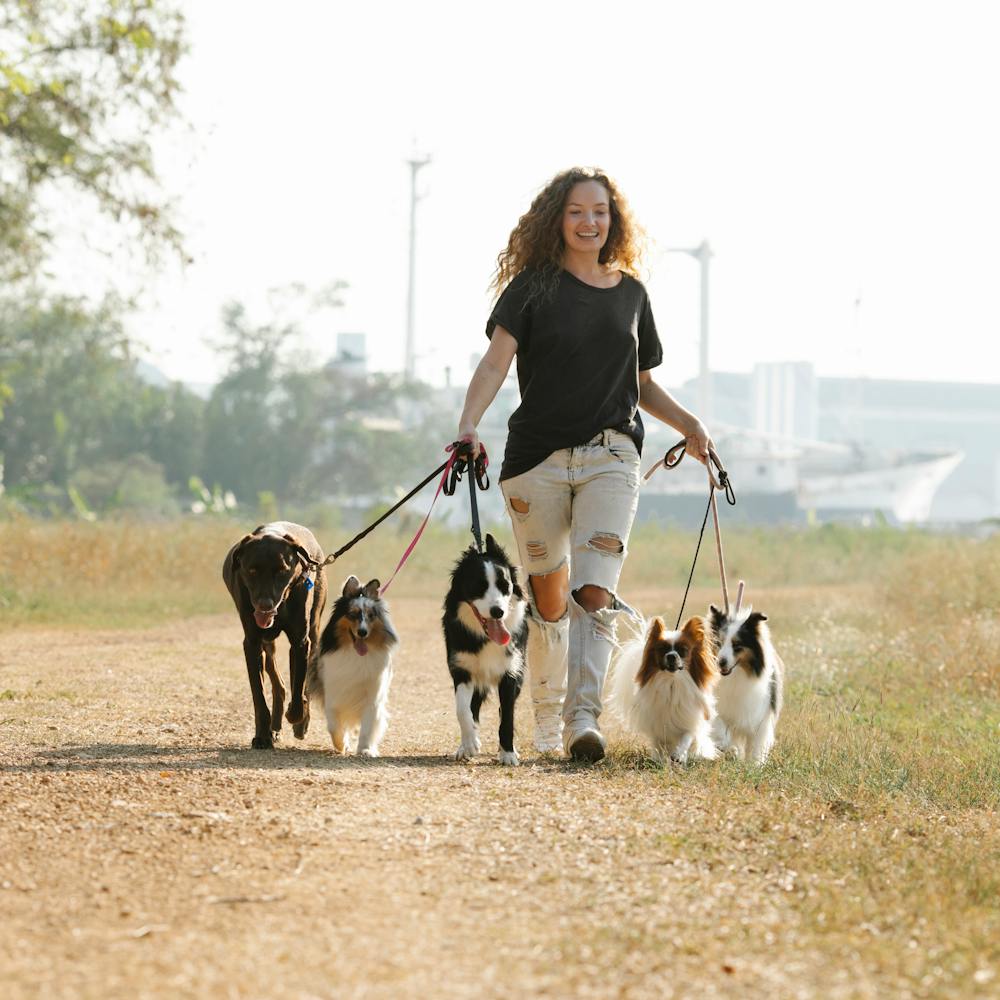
{"type": "Point", "coordinates": [662, 688]}
{"type": "Point", "coordinates": [352, 674]}
{"type": "Point", "coordinates": [751, 689]}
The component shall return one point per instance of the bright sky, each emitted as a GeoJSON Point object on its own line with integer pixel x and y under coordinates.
{"type": "Point", "coordinates": [824, 149]}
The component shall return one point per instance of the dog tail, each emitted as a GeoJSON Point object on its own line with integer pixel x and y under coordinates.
{"type": "Point", "coordinates": [314, 680]}
{"type": "Point", "coordinates": [621, 688]}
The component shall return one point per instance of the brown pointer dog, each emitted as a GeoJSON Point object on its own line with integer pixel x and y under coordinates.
{"type": "Point", "coordinates": [277, 587]}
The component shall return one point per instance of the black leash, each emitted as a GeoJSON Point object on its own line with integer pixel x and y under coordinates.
{"type": "Point", "coordinates": [371, 527]}
{"type": "Point", "coordinates": [479, 477]}
{"type": "Point", "coordinates": [671, 460]}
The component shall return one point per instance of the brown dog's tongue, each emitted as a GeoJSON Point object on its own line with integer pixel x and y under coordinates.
{"type": "Point", "coordinates": [497, 631]}
{"type": "Point", "coordinates": [361, 647]}
{"type": "Point", "coordinates": [264, 619]}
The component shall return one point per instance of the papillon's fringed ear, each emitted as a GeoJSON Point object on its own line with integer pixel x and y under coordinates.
{"type": "Point", "coordinates": [650, 666]}
{"type": "Point", "coordinates": [702, 664]}
{"type": "Point", "coordinates": [352, 587]}
{"type": "Point", "coordinates": [694, 630]}
{"type": "Point", "coordinates": [371, 590]}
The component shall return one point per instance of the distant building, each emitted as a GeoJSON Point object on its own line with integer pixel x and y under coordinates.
{"type": "Point", "coordinates": [352, 354]}
{"type": "Point", "coordinates": [785, 399]}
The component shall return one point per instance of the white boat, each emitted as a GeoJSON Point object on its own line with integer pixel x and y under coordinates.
{"type": "Point", "coordinates": [781, 478]}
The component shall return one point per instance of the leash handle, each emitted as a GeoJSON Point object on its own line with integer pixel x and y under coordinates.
{"type": "Point", "coordinates": [675, 455]}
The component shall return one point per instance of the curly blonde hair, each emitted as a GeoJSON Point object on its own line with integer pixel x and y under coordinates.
{"type": "Point", "coordinates": [536, 241]}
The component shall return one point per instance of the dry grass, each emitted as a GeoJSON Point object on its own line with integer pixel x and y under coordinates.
{"type": "Point", "coordinates": [145, 852]}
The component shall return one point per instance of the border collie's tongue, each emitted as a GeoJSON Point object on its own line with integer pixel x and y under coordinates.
{"type": "Point", "coordinates": [496, 630]}
{"type": "Point", "coordinates": [264, 619]}
{"type": "Point", "coordinates": [360, 647]}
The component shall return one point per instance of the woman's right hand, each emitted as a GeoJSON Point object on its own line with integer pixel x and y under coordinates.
{"type": "Point", "coordinates": [469, 436]}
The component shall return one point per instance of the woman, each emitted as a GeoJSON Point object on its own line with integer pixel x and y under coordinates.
{"type": "Point", "coordinates": [577, 318]}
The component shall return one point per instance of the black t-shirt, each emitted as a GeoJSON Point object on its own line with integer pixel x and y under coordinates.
{"type": "Point", "coordinates": [579, 354]}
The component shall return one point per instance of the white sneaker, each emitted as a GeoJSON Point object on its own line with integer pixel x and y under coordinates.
{"type": "Point", "coordinates": [585, 745]}
{"type": "Point", "coordinates": [548, 734]}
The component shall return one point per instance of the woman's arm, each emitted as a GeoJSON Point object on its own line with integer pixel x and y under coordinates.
{"type": "Point", "coordinates": [656, 401]}
{"type": "Point", "coordinates": [485, 384]}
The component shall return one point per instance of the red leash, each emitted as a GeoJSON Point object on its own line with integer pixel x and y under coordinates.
{"type": "Point", "coordinates": [452, 449]}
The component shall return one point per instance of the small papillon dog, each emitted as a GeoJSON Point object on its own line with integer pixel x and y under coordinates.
{"type": "Point", "coordinates": [662, 688]}
{"type": "Point", "coordinates": [750, 691]}
{"type": "Point", "coordinates": [352, 673]}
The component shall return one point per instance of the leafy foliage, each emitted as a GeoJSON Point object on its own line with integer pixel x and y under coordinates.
{"type": "Point", "coordinates": [82, 431]}
{"type": "Point", "coordinates": [83, 83]}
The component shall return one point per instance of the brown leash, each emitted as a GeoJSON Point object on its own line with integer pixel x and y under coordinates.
{"type": "Point", "coordinates": [670, 461]}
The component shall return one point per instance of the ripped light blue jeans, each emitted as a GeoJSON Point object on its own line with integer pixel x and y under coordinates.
{"type": "Point", "coordinates": [576, 507]}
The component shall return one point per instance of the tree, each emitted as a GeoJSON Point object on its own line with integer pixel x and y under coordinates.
{"type": "Point", "coordinates": [65, 365]}
{"type": "Point", "coordinates": [83, 83]}
{"type": "Point", "coordinates": [77, 403]}
{"type": "Point", "coordinates": [241, 423]}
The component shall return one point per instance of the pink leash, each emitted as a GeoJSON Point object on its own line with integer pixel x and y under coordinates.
{"type": "Point", "coordinates": [451, 449]}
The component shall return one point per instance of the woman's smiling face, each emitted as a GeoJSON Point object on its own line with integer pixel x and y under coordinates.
{"type": "Point", "coordinates": [586, 217]}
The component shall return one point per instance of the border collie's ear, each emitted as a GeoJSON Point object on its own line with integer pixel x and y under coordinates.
{"type": "Point", "coordinates": [756, 616]}
{"type": "Point", "coordinates": [371, 590]}
{"type": "Point", "coordinates": [492, 548]}
{"type": "Point", "coordinates": [352, 587]}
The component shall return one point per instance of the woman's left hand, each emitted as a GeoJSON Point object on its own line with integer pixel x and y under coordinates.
{"type": "Point", "coordinates": [698, 442]}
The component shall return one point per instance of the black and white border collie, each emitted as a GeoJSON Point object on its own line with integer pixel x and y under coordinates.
{"type": "Point", "coordinates": [352, 674]}
{"type": "Point", "coordinates": [485, 635]}
{"type": "Point", "coordinates": [751, 690]}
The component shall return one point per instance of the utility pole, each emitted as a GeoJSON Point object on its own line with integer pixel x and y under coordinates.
{"type": "Point", "coordinates": [410, 363]}
{"type": "Point", "coordinates": [702, 254]}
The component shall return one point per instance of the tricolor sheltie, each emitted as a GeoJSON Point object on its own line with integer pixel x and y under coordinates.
{"type": "Point", "coordinates": [352, 673]}
{"type": "Point", "coordinates": [661, 688]}
{"type": "Point", "coordinates": [485, 635]}
{"type": "Point", "coordinates": [750, 692]}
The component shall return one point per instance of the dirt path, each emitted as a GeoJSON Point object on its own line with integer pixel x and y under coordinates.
{"type": "Point", "coordinates": [146, 852]}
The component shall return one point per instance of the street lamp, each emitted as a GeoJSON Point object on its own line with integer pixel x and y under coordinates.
{"type": "Point", "coordinates": [702, 254]}
{"type": "Point", "coordinates": [416, 164]}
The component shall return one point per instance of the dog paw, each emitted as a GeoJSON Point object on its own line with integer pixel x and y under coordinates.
{"type": "Point", "coordinates": [508, 758]}
{"type": "Point", "coordinates": [466, 751]}
{"type": "Point", "coordinates": [262, 742]}
{"type": "Point", "coordinates": [680, 759]}
{"type": "Point", "coordinates": [368, 752]}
